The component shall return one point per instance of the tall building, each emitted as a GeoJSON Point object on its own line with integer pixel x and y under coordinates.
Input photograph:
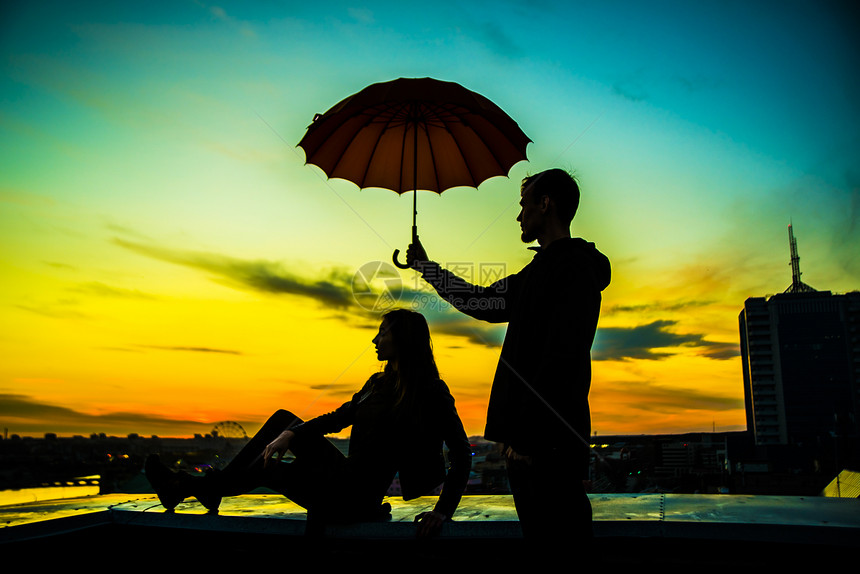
{"type": "Point", "coordinates": [801, 365]}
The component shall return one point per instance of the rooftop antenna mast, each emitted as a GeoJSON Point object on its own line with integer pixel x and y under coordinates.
{"type": "Point", "coordinates": [797, 286]}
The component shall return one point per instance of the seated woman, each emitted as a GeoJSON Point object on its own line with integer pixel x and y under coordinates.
{"type": "Point", "coordinates": [399, 419]}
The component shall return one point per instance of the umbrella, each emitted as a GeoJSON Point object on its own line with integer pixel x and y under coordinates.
{"type": "Point", "coordinates": [414, 133]}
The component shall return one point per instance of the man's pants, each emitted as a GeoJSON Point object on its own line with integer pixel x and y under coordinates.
{"type": "Point", "coordinates": [550, 497]}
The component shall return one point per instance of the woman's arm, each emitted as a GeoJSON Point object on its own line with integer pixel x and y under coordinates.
{"type": "Point", "coordinates": [338, 419]}
{"type": "Point", "coordinates": [459, 455]}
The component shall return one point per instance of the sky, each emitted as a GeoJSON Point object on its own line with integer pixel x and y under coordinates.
{"type": "Point", "coordinates": [169, 261]}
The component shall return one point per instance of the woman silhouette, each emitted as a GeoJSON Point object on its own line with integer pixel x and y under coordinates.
{"type": "Point", "coordinates": [399, 419]}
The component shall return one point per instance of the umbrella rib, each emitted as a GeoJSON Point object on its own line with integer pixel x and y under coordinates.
{"type": "Point", "coordinates": [458, 119]}
{"type": "Point", "coordinates": [433, 157]}
{"type": "Point", "coordinates": [400, 182]}
{"type": "Point", "coordinates": [372, 153]}
{"type": "Point", "coordinates": [350, 140]}
{"type": "Point", "coordinates": [371, 117]}
{"type": "Point", "coordinates": [489, 149]}
{"type": "Point", "coordinates": [391, 121]}
{"type": "Point", "coordinates": [490, 116]}
{"type": "Point", "coordinates": [426, 124]}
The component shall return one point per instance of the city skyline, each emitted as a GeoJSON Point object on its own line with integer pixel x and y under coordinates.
{"type": "Point", "coordinates": [169, 261]}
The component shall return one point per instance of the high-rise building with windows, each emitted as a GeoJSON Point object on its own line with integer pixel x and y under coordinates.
{"type": "Point", "coordinates": [801, 365]}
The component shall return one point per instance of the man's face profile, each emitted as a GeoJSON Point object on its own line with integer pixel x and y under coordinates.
{"type": "Point", "coordinates": [530, 217]}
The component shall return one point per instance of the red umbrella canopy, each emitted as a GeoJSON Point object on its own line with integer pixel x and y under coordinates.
{"type": "Point", "coordinates": [414, 133]}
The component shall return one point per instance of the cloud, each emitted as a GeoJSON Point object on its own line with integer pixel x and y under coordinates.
{"type": "Point", "coordinates": [641, 342]}
{"type": "Point", "coordinates": [626, 407]}
{"type": "Point", "coordinates": [473, 330]}
{"type": "Point", "coordinates": [660, 306]}
{"type": "Point", "coordinates": [845, 233]}
{"type": "Point", "coordinates": [61, 312]}
{"type": "Point", "coordinates": [192, 349]}
{"type": "Point", "coordinates": [498, 40]}
{"type": "Point", "coordinates": [696, 83]}
{"type": "Point", "coordinates": [720, 351]}
{"type": "Point", "coordinates": [653, 397]}
{"type": "Point", "coordinates": [366, 294]}
{"type": "Point", "coordinates": [102, 290]}
{"type": "Point", "coordinates": [361, 15]}
{"type": "Point", "coordinates": [630, 89]}
{"type": "Point", "coordinates": [57, 265]}
{"type": "Point", "coordinates": [333, 290]}
{"type": "Point", "coordinates": [443, 318]}
{"type": "Point", "coordinates": [338, 288]}
{"type": "Point", "coordinates": [220, 15]}
{"type": "Point", "coordinates": [23, 414]}
{"type": "Point", "coordinates": [336, 389]}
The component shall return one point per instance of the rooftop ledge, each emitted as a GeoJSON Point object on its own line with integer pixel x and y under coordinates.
{"type": "Point", "coordinates": [669, 522]}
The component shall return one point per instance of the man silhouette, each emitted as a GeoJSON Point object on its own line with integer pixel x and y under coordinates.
{"type": "Point", "coordinates": [538, 406]}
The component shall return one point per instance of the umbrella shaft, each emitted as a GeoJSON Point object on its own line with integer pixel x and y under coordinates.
{"type": "Point", "coordinates": [414, 179]}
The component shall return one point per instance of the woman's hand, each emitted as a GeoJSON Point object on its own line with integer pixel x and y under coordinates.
{"type": "Point", "coordinates": [278, 447]}
{"type": "Point", "coordinates": [430, 523]}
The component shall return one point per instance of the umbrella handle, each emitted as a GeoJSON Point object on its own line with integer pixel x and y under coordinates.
{"type": "Point", "coordinates": [396, 262]}
{"type": "Point", "coordinates": [397, 251]}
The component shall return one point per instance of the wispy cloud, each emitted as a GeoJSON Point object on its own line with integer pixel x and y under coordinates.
{"type": "Point", "coordinates": [59, 311]}
{"type": "Point", "coordinates": [361, 15]}
{"type": "Point", "coordinates": [102, 290]}
{"type": "Point", "coordinates": [498, 40]}
{"type": "Point", "coordinates": [650, 342]}
{"type": "Point", "coordinates": [24, 414]}
{"type": "Point", "coordinates": [263, 276]}
{"type": "Point", "coordinates": [337, 290]}
{"type": "Point", "coordinates": [651, 396]}
{"type": "Point", "coordinates": [58, 265]}
{"type": "Point", "coordinates": [630, 89]}
{"type": "Point", "coordinates": [660, 306]}
{"type": "Point", "coordinates": [221, 15]}
{"type": "Point", "coordinates": [192, 349]}
{"type": "Point", "coordinates": [446, 320]}
{"type": "Point", "coordinates": [354, 294]}
{"type": "Point", "coordinates": [626, 406]}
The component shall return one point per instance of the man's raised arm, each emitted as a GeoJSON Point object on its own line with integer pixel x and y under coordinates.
{"type": "Point", "coordinates": [485, 303]}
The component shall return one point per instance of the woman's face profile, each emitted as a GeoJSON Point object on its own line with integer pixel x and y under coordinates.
{"type": "Point", "coordinates": [384, 342]}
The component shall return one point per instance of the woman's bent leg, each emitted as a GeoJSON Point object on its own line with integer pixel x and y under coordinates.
{"type": "Point", "coordinates": [243, 474]}
{"type": "Point", "coordinates": [316, 460]}
{"type": "Point", "coordinates": [306, 479]}
{"type": "Point", "coordinates": [253, 450]}
{"type": "Point", "coordinates": [246, 471]}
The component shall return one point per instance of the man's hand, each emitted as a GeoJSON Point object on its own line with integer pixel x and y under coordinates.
{"type": "Point", "coordinates": [430, 523]}
{"type": "Point", "coordinates": [278, 447]}
{"type": "Point", "coordinates": [514, 456]}
{"type": "Point", "coordinates": [415, 253]}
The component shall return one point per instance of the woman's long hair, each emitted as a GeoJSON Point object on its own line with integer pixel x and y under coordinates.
{"type": "Point", "coordinates": [413, 348]}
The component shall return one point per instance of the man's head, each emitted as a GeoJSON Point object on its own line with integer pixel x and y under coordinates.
{"type": "Point", "coordinates": [549, 202]}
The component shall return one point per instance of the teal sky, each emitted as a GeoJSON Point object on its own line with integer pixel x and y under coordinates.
{"type": "Point", "coordinates": [677, 110]}
{"type": "Point", "coordinates": [149, 151]}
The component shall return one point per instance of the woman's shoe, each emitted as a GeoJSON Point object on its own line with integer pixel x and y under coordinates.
{"type": "Point", "coordinates": [168, 485]}
{"type": "Point", "coordinates": [174, 487]}
{"type": "Point", "coordinates": [206, 491]}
